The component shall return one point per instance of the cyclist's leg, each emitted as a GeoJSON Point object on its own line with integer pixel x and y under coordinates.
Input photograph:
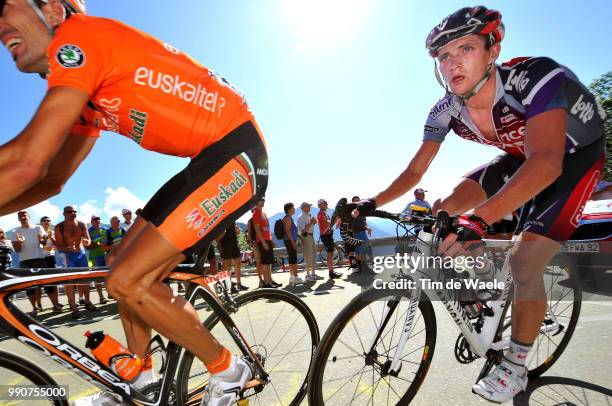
{"type": "Point", "coordinates": [528, 260]}
{"type": "Point", "coordinates": [478, 185]}
{"type": "Point", "coordinates": [184, 217]}
{"type": "Point", "coordinates": [552, 219]}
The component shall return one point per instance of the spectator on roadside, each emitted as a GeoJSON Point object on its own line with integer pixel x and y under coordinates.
{"type": "Point", "coordinates": [127, 217]}
{"type": "Point", "coordinates": [305, 227]}
{"type": "Point", "coordinates": [71, 238]}
{"type": "Point", "coordinates": [265, 244]}
{"type": "Point", "coordinates": [28, 241]}
{"type": "Point", "coordinates": [231, 255]}
{"type": "Point", "coordinates": [211, 257]}
{"type": "Point", "coordinates": [351, 259]}
{"type": "Point", "coordinates": [97, 249]}
{"type": "Point", "coordinates": [4, 242]}
{"type": "Point", "coordinates": [290, 241]}
{"type": "Point", "coordinates": [251, 239]}
{"type": "Point", "coordinates": [419, 201]}
{"type": "Point", "coordinates": [114, 234]}
{"type": "Point", "coordinates": [49, 249]}
{"type": "Point", "coordinates": [361, 231]}
{"type": "Point", "coordinates": [327, 236]}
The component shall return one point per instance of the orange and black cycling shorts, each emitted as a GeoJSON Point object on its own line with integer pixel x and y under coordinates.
{"type": "Point", "coordinates": [217, 187]}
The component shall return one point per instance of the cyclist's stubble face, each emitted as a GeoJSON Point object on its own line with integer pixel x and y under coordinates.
{"type": "Point", "coordinates": [25, 35]}
{"type": "Point", "coordinates": [463, 62]}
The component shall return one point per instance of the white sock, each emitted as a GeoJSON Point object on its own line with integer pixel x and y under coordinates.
{"type": "Point", "coordinates": [517, 354]}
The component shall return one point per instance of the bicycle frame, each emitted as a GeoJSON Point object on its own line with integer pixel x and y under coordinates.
{"type": "Point", "coordinates": [480, 342]}
{"type": "Point", "coordinates": [18, 325]}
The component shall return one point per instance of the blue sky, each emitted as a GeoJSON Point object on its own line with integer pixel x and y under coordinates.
{"type": "Point", "coordinates": [341, 89]}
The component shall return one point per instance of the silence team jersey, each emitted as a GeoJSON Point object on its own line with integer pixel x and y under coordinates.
{"type": "Point", "coordinates": [142, 88]}
{"type": "Point", "coordinates": [525, 87]}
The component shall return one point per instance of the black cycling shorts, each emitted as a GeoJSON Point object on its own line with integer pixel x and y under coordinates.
{"type": "Point", "coordinates": [291, 252]}
{"type": "Point", "coordinates": [557, 209]}
{"type": "Point", "coordinates": [230, 250]}
{"type": "Point", "coordinates": [217, 187]}
{"type": "Point", "coordinates": [267, 256]}
{"type": "Point", "coordinates": [328, 242]}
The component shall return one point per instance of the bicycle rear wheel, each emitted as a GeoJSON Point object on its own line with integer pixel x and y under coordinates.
{"type": "Point", "coordinates": [346, 372]}
{"type": "Point", "coordinates": [283, 333]}
{"type": "Point", "coordinates": [564, 298]}
{"type": "Point", "coordinates": [15, 370]}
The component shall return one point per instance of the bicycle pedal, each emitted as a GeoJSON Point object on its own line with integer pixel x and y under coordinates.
{"type": "Point", "coordinates": [243, 402]}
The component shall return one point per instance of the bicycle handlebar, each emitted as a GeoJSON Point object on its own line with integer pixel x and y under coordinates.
{"type": "Point", "coordinates": [444, 224]}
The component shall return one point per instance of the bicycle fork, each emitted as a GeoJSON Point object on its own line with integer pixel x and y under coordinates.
{"type": "Point", "coordinates": [393, 368]}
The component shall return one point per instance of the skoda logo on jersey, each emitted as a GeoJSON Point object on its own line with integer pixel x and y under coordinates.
{"type": "Point", "coordinates": [70, 56]}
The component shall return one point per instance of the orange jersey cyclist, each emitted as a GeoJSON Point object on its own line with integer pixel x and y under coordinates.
{"type": "Point", "coordinates": [104, 75]}
{"type": "Point", "coordinates": [550, 128]}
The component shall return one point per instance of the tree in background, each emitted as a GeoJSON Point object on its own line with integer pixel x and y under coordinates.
{"type": "Point", "coordinates": [602, 88]}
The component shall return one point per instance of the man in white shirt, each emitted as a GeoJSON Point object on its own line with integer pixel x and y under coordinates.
{"type": "Point", "coordinates": [28, 241]}
{"type": "Point", "coordinates": [305, 227]}
{"type": "Point", "coordinates": [127, 216]}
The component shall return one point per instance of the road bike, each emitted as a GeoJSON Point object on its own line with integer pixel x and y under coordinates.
{"type": "Point", "coordinates": [273, 329]}
{"type": "Point", "coordinates": [380, 346]}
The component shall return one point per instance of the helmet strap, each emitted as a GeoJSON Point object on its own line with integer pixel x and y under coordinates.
{"type": "Point", "coordinates": [474, 90]}
{"type": "Point", "coordinates": [479, 85]}
{"type": "Point", "coordinates": [40, 15]}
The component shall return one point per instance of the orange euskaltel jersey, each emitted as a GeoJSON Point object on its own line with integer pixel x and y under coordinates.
{"type": "Point", "coordinates": [142, 88]}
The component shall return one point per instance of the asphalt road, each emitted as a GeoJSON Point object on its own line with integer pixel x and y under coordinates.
{"type": "Point", "coordinates": [582, 376]}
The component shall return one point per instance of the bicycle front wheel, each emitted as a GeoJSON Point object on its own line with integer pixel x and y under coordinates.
{"type": "Point", "coordinates": [349, 370]}
{"type": "Point", "coordinates": [17, 371]}
{"type": "Point", "coordinates": [282, 332]}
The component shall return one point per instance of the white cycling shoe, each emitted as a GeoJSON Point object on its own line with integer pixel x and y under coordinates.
{"type": "Point", "coordinates": [502, 384]}
{"type": "Point", "coordinates": [103, 398]}
{"type": "Point", "coordinates": [106, 398]}
{"type": "Point", "coordinates": [223, 389]}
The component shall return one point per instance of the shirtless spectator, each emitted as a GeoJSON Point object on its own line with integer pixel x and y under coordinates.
{"type": "Point", "coordinates": [71, 238]}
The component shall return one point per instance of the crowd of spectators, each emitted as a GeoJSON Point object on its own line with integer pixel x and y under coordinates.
{"type": "Point", "coordinates": [71, 244]}
{"type": "Point", "coordinates": [68, 244]}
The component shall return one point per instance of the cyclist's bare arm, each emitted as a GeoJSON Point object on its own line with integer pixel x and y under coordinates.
{"type": "Point", "coordinates": [411, 175]}
{"type": "Point", "coordinates": [544, 151]}
{"type": "Point", "coordinates": [26, 160]}
{"type": "Point", "coordinates": [64, 164]}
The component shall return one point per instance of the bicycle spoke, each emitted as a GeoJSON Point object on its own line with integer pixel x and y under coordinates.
{"type": "Point", "coordinates": [248, 312]}
{"type": "Point", "coordinates": [358, 336]}
{"type": "Point", "coordinates": [285, 356]}
{"type": "Point", "coordinates": [374, 321]}
{"type": "Point", "coordinates": [361, 354]}
{"type": "Point", "coordinates": [340, 388]}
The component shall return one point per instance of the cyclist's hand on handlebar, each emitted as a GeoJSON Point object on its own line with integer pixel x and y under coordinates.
{"type": "Point", "coordinates": [467, 240]}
